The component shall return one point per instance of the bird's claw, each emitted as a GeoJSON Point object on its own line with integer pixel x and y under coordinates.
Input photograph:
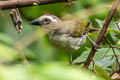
{"type": "Point", "coordinates": [95, 46]}
{"type": "Point", "coordinates": [71, 61]}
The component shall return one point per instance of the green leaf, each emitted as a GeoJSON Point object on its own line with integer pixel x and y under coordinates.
{"type": "Point", "coordinates": [50, 71]}
{"type": "Point", "coordinates": [7, 54]}
{"type": "Point", "coordinates": [6, 39]}
{"type": "Point", "coordinates": [99, 22]}
{"type": "Point", "coordinates": [101, 72]}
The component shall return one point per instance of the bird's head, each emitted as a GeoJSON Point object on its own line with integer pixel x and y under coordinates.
{"type": "Point", "coordinates": [45, 20]}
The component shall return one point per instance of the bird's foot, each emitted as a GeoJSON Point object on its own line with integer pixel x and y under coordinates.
{"type": "Point", "coordinates": [71, 61]}
{"type": "Point", "coordinates": [96, 47]}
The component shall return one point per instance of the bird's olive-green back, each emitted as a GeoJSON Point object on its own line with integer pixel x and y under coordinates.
{"type": "Point", "coordinates": [79, 27]}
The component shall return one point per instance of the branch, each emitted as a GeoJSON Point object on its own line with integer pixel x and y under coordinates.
{"type": "Point", "coordinates": [102, 32]}
{"type": "Point", "coordinates": [25, 3]}
{"type": "Point", "coordinates": [111, 46]}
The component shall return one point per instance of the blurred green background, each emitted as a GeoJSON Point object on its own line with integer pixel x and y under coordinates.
{"type": "Point", "coordinates": [29, 55]}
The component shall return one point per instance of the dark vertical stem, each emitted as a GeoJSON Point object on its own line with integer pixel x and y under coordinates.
{"type": "Point", "coordinates": [102, 32]}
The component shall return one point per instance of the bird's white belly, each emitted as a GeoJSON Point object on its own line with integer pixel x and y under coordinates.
{"type": "Point", "coordinates": [66, 41]}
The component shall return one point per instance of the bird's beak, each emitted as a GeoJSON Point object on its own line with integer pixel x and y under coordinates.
{"type": "Point", "coordinates": [35, 22]}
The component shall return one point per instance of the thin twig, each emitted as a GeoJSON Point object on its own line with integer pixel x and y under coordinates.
{"type": "Point", "coordinates": [116, 47]}
{"type": "Point", "coordinates": [116, 57]}
{"type": "Point", "coordinates": [94, 66]}
{"type": "Point", "coordinates": [103, 31]}
{"type": "Point", "coordinates": [113, 51]}
{"type": "Point", "coordinates": [79, 63]}
{"type": "Point", "coordinates": [104, 54]}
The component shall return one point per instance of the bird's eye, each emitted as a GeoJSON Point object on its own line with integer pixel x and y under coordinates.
{"type": "Point", "coordinates": [47, 20]}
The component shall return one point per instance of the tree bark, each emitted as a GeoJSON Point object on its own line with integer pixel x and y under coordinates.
{"type": "Point", "coordinates": [25, 3]}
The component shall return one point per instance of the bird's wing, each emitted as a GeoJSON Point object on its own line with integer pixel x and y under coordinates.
{"type": "Point", "coordinates": [78, 27]}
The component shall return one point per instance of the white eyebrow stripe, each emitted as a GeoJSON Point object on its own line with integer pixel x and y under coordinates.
{"type": "Point", "coordinates": [50, 17]}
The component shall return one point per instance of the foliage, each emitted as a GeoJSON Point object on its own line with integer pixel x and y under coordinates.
{"type": "Point", "coordinates": [29, 55]}
{"type": "Point", "coordinates": [50, 71]}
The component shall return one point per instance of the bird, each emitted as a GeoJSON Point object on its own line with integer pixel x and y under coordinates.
{"type": "Point", "coordinates": [67, 35]}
